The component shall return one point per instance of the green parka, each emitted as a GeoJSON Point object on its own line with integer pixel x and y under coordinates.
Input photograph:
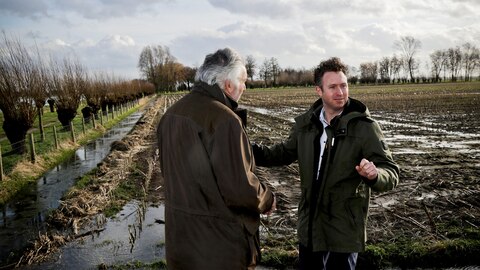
{"type": "Point", "coordinates": [333, 209]}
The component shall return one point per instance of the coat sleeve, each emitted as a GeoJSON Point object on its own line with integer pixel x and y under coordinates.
{"type": "Point", "coordinates": [376, 150]}
{"type": "Point", "coordinates": [280, 154]}
{"type": "Point", "coordinates": [233, 165]}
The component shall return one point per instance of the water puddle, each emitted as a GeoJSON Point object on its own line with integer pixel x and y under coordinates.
{"type": "Point", "coordinates": [135, 234]}
{"type": "Point", "coordinates": [23, 217]}
{"type": "Point", "coordinates": [286, 113]}
{"type": "Point", "coordinates": [425, 136]}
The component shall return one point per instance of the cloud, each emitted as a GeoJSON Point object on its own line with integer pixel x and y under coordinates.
{"type": "Point", "coordinates": [117, 54]}
{"type": "Point", "coordinates": [277, 9]}
{"type": "Point", "coordinates": [298, 33]}
{"type": "Point", "coordinates": [114, 53]}
{"type": "Point", "coordinates": [262, 41]}
{"type": "Point", "coordinates": [117, 41]}
{"type": "Point", "coordinates": [89, 9]}
{"type": "Point", "coordinates": [25, 8]}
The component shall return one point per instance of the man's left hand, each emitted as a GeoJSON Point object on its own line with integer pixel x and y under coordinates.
{"type": "Point", "coordinates": [367, 169]}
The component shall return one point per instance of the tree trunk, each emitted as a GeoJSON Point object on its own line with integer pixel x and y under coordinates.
{"type": "Point", "coordinates": [40, 122]}
{"type": "Point", "coordinates": [65, 116]}
{"type": "Point", "coordinates": [16, 133]}
{"type": "Point", "coordinates": [87, 113]}
{"type": "Point", "coordinates": [51, 104]}
{"type": "Point", "coordinates": [104, 108]}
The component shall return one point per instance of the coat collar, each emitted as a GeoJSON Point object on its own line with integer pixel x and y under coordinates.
{"type": "Point", "coordinates": [215, 92]}
{"type": "Point", "coordinates": [353, 109]}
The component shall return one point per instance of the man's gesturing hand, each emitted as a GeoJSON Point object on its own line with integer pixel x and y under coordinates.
{"type": "Point", "coordinates": [367, 169]}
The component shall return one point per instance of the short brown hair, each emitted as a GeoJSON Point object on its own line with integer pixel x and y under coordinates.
{"type": "Point", "coordinates": [332, 64]}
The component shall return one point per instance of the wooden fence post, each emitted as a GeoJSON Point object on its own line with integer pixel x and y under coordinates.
{"type": "Point", "coordinates": [72, 131]}
{"type": "Point", "coordinates": [165, 100]}
{"type": "Point", "coordinates": [55, 137]}
{"type": "Point", "coordinates": [101, 118]}
{"type": "Point", "coordinates": [1, 164]}
{"type": "Point", "coordinates": [83, 126]}
{"type": "Point", "coordinates": [32, 148]}
{"type": "Point", "coordinates": [93, 121]}
{"type": "Point", "coordinates": [42, 131]}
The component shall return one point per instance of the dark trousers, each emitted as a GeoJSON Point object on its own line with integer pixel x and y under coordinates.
{"type": "Point", "coordinates": [326, 260]}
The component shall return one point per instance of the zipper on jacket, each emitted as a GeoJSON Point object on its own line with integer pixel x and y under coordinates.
{"type": "Point", "coordinates": [326, 161]}
{"type": "Point", "coordinates": [318, 183]}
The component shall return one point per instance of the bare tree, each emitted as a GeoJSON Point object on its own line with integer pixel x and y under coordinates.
{"type": "Point", "coordinates": [288, 77]}
{"type": "Point", "coordinates": [409, 46]}
{"type": "Point", "coordinates": [368, 72]}
{"type": "Point", "coordinates": [438, 64]}
{"type": "Point", "coordinates": [250, 65]}
{"type": "Point", "coordinates": [471, 59]}
{"type": "Point", "coordinates": [148, 63]}
{"type": "Point", "coordinates": [145, 88]}
{"type": "Point", "coordinates": [384, 70]}
{"type": "Point", "coordinates": [159, 67]}
{"type": "Point", "coordinates": [169, 74]}
{"type": "Point", "coordinates": [266, 72]}
{"type": "Point", "coordinates": [275, 70]}
{"type": "Point", "coordinates": [95, 92]}
{"type": "Point", "coordinates": [395, 67]}
{"type": "Point", "coordinates": [189, 76]}
{"type": "Point", "coordinates": [454, 62]}
{"type": "Point", "coordinates": [20, 80]}
{"type": "Point", "coordinates": [41, 93]}
{"type": "Point", "coordinates": [67, 83]}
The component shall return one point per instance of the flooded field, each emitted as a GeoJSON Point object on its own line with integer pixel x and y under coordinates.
{"type": "Point", "coordinates": [134, 234]}
{"type": "Point", "coordinates": [23, 218]}
{"type": "Point", "coordinates": [432, 130]}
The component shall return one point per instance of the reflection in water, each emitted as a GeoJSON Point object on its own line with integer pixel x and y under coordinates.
{"type": "Point", "coordinates": [24, 217]}
{"type": "Point", "coordinates": [4, 216]}
{"type": "Point", "coordinates": [135, 234]}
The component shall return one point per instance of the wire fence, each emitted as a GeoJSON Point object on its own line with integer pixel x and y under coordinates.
{"type": "Point", "coordinates": [39, 141]}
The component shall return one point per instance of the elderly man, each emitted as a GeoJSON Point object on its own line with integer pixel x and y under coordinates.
{"type": "Point", "coordinates": [213, 199]}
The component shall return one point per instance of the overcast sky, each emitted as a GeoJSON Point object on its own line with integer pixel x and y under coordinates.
{"type": "Point", "coordinates": [109, 35]}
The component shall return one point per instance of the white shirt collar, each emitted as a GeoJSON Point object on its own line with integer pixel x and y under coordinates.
{"type": "Point", "coordinates": [323, 119]}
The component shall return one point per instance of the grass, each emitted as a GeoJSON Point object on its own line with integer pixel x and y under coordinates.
{"type": "Point", "coordinates": [410, 254]}
{"type": "Point", "coordinates": [380, 88]}
{"type": "Point", "coordinates": [405, 253]}
{"type": "Point", "coordinates": [160, 264]}
{"type": "Point", "coordinates": [126, 191]}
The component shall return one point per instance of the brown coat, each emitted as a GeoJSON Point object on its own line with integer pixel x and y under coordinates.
{"type": "Point", "coordinates": [212, 196]}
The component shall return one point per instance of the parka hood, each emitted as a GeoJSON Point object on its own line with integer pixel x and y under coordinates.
{"type": "Point", "coordinates": [354, 109]}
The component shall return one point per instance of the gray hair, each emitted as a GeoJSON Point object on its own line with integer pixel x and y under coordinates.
{"type": "Point", "coordinates": [224, 64]}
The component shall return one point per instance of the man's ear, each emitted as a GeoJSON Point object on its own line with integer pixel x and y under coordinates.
{"type": "Point", "coordinates": [228, 86]}
{"type": "Point", "coordinates": [318, 89]}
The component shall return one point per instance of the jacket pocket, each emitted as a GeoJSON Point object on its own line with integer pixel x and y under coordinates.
{"type": "Point", "coordinates": [355, 207]}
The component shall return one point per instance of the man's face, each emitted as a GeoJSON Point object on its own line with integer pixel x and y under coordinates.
{"type": "Point", "coordinates": [234, 89]}
{"type": "Point", "coordinates": [334, 90]}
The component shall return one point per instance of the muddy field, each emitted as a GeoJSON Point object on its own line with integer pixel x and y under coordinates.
{"type": "Point", "coordinates": [433, 132]}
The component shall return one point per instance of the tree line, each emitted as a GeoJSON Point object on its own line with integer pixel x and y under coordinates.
{"type": "Point", "coordinates": [460, 62]}
{"type": "Point", "coordinates": [158, 66]}
{"type": "Point", "coordinates": [28, 82]}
